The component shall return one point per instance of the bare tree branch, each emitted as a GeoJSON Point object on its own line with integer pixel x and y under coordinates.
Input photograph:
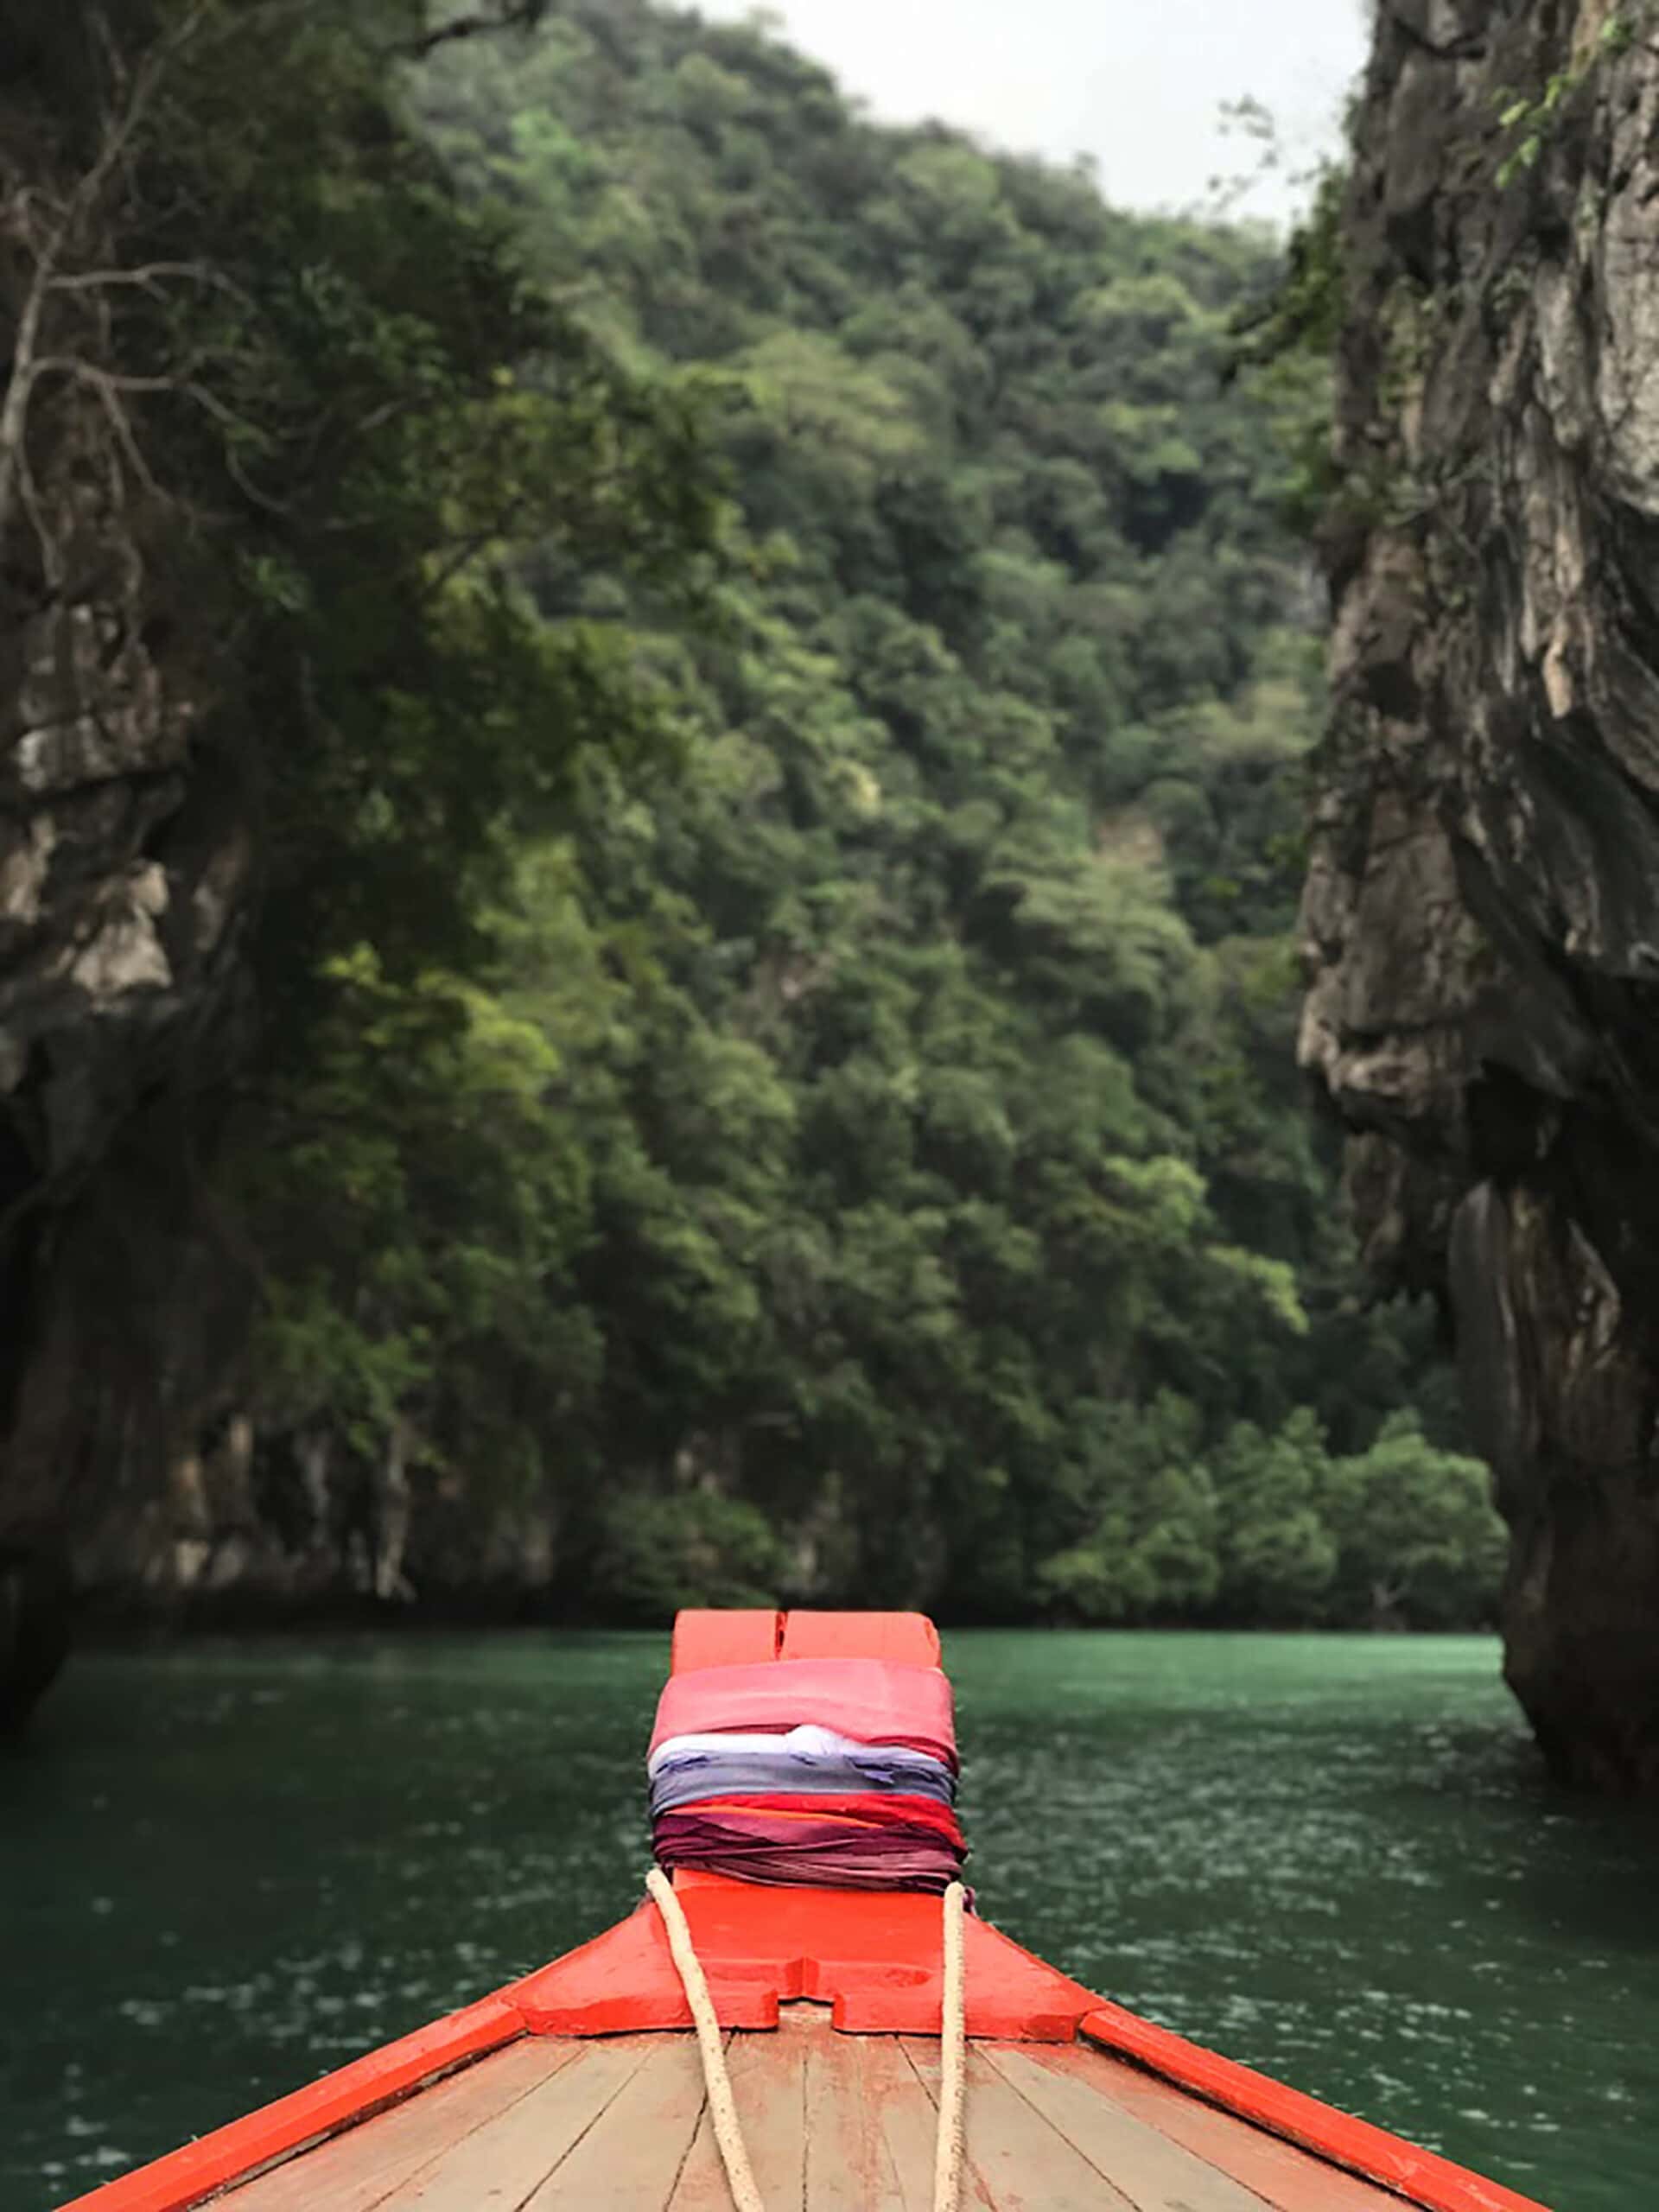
{"type": "Point", "coordinates": [13, 218]}
{"type": "Point", "coordinates": [148, 278]}
{"type": "Point", "coordinates": [70, 236]}
{"type": "Point", "coordinates": [20, 386]}
{"type": "Point", "coordinates": [117, 380]}
{"type": "Point", "coordinates": [28, 496]}
{"type": "Point", "coordinates": [108, 388]}
{"type": "Point", "coordinates": [51, 231]}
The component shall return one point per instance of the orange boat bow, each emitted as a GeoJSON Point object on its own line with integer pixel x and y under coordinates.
{"type": "Point", "coordinates": [874, 1958]}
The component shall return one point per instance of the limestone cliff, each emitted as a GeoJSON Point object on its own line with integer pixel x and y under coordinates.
{"type": "Point", "coordinates": [126, 870]}
{"type": "Point", "coordinates": [1482, 913]}
{"type": "Point", "coordinates": [123, 874]}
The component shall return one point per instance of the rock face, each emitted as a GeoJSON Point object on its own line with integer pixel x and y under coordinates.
{"type": "Point", "coordinates": [1481, 915]}
{"type": "Point", "coordinates": [124, 880]}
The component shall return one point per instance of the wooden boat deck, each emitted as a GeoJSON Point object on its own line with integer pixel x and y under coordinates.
{"type": "Point", "coordinates": [834, 2123]}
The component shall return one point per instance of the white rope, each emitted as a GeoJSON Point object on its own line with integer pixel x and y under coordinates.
{"type": "Point", "coordinates": [716, 2080]}
{"type": "Point", "coordinates": [947, 2156]}
{"type": "Point", "coordinates": [953, 2022]}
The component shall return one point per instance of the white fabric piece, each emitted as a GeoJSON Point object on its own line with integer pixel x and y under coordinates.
{"type": "Point", "coordinates": [808, 1741]}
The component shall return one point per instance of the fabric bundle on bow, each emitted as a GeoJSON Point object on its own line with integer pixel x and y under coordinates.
{"type": "Point", "coordinates": [840, 1773]}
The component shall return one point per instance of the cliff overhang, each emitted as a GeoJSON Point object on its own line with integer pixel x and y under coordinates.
{"type": "Point", "coordinates": [1481, 919]}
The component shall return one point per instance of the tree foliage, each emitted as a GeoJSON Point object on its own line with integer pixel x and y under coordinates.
{"type": "Point", "coordinates": [792, 679]}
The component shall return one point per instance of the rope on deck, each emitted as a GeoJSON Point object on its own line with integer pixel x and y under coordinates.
{"type": "Point", "coordinates": [728, 2135]}
{"type": "Point", "coordinates": [953, 2025]}
{"type": "Point", "coordinates": [718, 2082]}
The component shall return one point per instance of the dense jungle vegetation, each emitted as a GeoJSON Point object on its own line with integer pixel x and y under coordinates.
{"type": "Point", "coordinates": [782, 666]}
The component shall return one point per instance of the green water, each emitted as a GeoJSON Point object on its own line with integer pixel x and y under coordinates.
{"type": "Point", "coordinates": [226, 1868]}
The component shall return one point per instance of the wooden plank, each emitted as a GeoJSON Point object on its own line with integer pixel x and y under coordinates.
{"type": "Point", "coordinates": [768, 2075]}
{"type": "Point", "coordinates": [1020, 2162]}
{"type": "Point", "coordinates": [630, 2159]}
{"type": "Point", "coordinates": [866, 2145]}
{"type": "Point", "coordinates": [228, 2156]}
{"type": "Point", "coordinates": [1153, 2173]}
{"type": "Point", "coordinates": [359, 2169]}
{"type": "Point", "coordinates": [500, 2165]}
{"type": "Point", "coordinates": [849, 2166]}
{"type": "Point", "coordinates": [909, 2121]}
{"type": "Point", "coordinates": [1422, 2177]}
{"type": "Point", "coordinates": [701, 2184]}
{"type": "Point", "coordinates": [1289, 2179]}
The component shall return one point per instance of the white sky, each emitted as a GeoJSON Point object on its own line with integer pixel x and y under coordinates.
{"type": "Point", "coordinates": [1139, 83]}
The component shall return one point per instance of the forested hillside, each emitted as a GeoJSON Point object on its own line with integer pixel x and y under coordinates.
{"type": "Point", "coordinates": [775, 1065]}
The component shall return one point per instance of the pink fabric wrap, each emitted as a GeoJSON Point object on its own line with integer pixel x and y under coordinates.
{"type": "Point", "coordinates": [871, 1701]}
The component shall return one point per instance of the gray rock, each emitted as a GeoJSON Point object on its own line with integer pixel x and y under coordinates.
{"type": "Point", "coordinates": [1481, 919]}
{"type": "Point", "coordinates": [125, 888]}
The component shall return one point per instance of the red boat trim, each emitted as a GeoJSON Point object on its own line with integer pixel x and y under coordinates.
{"type": "Point", "coordinates": [863, 1951]}
{"type": "Point", "coordinates": [1421, 2176]}
{"type": "Point", "coordinates": [188, 2177]}
{"type": "Point", "coordinates": [874, 1957]}
{"type": "Point", "coordinates": [235, 2152]}
{"type": "Point", "coordinates": [719, 1637]}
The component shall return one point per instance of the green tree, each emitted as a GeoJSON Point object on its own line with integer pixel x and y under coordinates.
{"type": "Point", "coordinates": [777, 683]}
{"type": "Point", "coordinates": [1278, 1555]}
{"type": "Point", "coordinates": [1421, 1544]}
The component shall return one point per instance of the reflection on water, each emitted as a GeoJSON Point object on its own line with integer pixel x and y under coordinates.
{"type": "Point", "coordinates": [227, 1868]}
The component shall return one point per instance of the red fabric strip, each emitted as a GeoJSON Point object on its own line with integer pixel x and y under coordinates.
{"type": "Point", "coordinates": [867, 1810]}
{"type": "Point", "coordinates": [871, 1701]}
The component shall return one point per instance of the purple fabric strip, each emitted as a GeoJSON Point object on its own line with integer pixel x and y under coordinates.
{"type": "Point", "coordinates": [687, 1777]}
{"type": "Point", "coordinates": [832, 1853]}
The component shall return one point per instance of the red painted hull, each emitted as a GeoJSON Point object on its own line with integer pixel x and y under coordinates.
{"type": "Point", "coordinates": [874, 1960]}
